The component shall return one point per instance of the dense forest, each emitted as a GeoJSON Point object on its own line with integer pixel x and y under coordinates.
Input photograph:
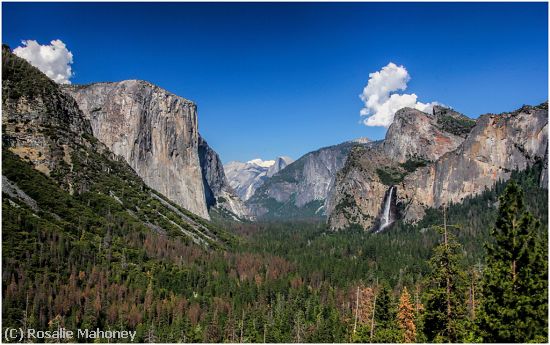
{"type": "Point", "coordinates": [472, 272]}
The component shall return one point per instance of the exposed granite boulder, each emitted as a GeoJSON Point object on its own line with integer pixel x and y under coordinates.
{"type": "Point", "coordinates": [154, 130]}
{"type": "Point", "coordinates": [217, 190]}
{"type": "Point", "coordinates": [15, 192]}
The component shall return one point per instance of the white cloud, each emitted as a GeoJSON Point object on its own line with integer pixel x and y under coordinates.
{"type": "Point", "coordinates": [54, 59]}
{"type": "Point", "coordinates": [381, 98]}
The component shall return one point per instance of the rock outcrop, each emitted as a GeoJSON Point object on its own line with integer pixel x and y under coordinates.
{"type": "Point", "coordinates": [300, 189]}
{"type": "Point", "coordinates": [217, 190]}
{"type": "Point", "coordinates": [41, 124]}
{"type": "Point", "coordinates": [154, 130]}
{"type": "Point", "coordinates": [415, 134]}
{"type": "Point", "coordinates": [280, 164]}
{"type": "Point", "coordinates": [357, 194]}
{"type": "Point", "coordinates": [434, 159]}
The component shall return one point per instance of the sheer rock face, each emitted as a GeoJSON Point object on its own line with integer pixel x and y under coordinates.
{"type": "Point", "coordinates": [472, 159]}
{"type": "Point", "coordinates": [357, 193]}
{"type": "Point", "coordinates": [217, 190]}
{"type": "Point", "coordinates": [154, 130]}
{"type": "Point", "coordinates": [497, 145]}
{"type": "Point", "coordinates": [415, 134]}
{"type": "Point", "coordinates": [544, 175]}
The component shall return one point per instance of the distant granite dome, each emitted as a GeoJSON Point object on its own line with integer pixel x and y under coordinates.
{"type": "Point", "coordinates": [300, 189]}
{"type": "Point", "coordinates": [245, 178]}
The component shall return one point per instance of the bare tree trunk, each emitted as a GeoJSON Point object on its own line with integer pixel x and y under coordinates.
{"type": "Point", "coordinates": [242, 325]}
{"type": "Point", "coordinates": [356, 310]}
{"type": "Point", "coordinates": [372, 320]}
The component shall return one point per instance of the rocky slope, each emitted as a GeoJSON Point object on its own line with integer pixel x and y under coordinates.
{"type": "Point", "coordinates": [154, 130]}
{"type": "Point", "coordinates": [53, 166]}
{"type": "Point", "coordinates": [39, 121]}
{"type": "Point", "coordinates": [300, 189]}
{"type": "Point", "coordinates": [217, 190]}
{"type": "Point", "coordinates": [245, 178]}
{"type": "Point", "coordinates": [432, 159]}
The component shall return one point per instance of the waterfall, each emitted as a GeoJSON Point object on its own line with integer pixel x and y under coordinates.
{"type": "Point", "coordinates": [386, 219]}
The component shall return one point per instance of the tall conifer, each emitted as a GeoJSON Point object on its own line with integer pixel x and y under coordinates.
{"type": "Point", "coordinates": [515, 284]}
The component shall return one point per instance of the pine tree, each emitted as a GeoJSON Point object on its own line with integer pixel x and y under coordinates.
{"type": "Point", "coordinates": [385, 330]}
{"type": "Point", "coordinates": [405, 318]}
{"type": "Point", "coordinates": [445, 315]}
{"type": "Point", "coordinates": [515, 282]}
{"type": "Point", "coordinates": [384, 313]}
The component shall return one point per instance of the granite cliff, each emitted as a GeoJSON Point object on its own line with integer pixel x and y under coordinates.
{"type": "Point", "coordinates": [154, 130]}
{"type": "Point", "coordinates": [431, 159]}
{"type": "Point", "coordinates": [496, 145]}
{"type": "Point", "coordinates": [217, 190]}
{"type": "Point", "coordinates": [415, 134]}
{"type": "Point", "coordinates": [69, 180]}
{"type": "Point", "coordinates": [40, 124]}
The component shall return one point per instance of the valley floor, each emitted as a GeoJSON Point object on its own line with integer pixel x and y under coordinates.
{"type": "Point", "coordinates": [274, 282]}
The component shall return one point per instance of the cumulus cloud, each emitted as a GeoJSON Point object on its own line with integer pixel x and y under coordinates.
{"type": "Point", "coordinates": [54, 60]}
{"type": "Point", "coordinates": [382, 98]}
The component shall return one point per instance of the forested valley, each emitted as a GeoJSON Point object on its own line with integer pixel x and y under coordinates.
{"type": "Point", "coordinates": [473, 272]}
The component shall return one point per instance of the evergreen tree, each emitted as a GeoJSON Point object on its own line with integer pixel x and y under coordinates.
{"type": "Point", "coordinates": [445, 315]}
{"type": "Point", "coordinates": [385, 330]}
{"type": "Point", "coordinates": [515, 283]}
{"type": "Point", "coordinates": [384, 313]}
{"type": "Point", "coordinates": [405, 318]}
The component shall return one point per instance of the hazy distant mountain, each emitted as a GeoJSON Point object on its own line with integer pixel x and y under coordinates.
{"type": "Point", "coordinates": [245, 178]}
{"type": "Point", "coordinates": [300, 189]}
{"type": "Point", "coordinates": [217, 190]}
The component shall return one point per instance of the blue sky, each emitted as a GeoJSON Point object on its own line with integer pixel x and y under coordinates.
{"type": "Point", "coordinates": [284, 78]}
